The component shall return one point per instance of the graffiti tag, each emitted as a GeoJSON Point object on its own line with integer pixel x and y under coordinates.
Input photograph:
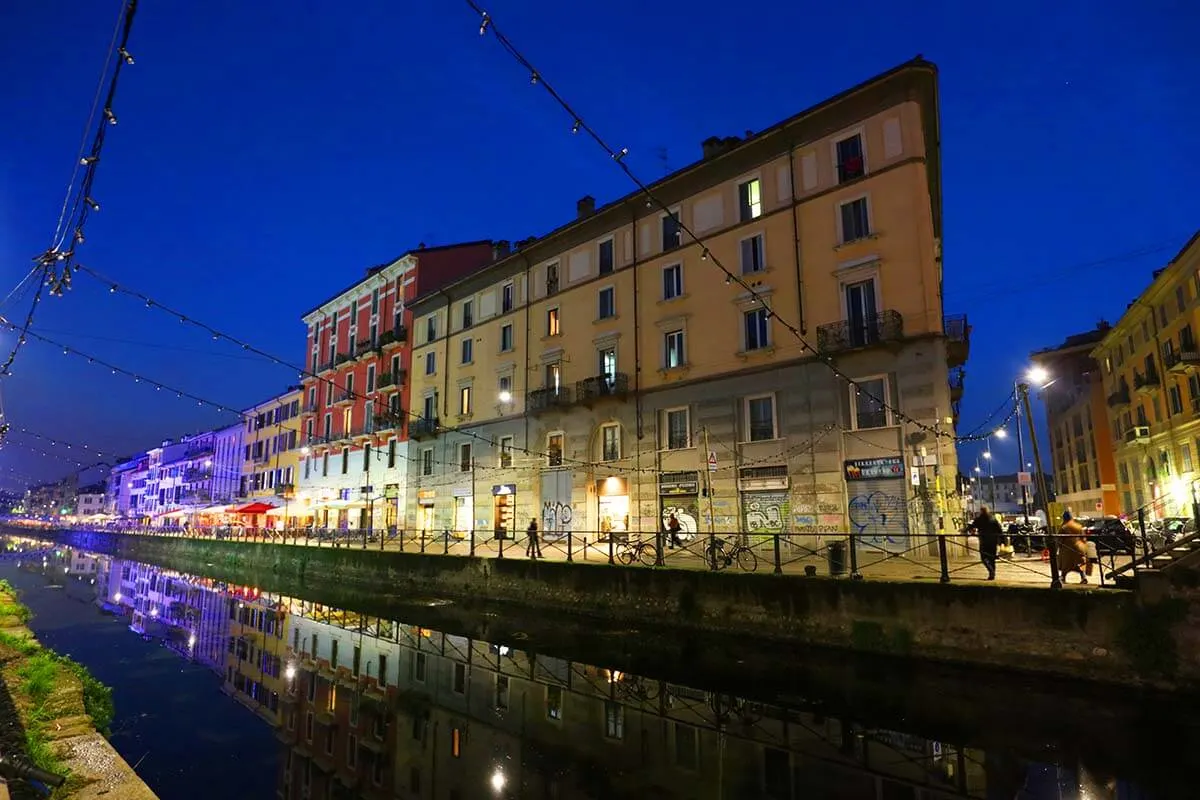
{"type": "Point", "coordinates": [880, 519]}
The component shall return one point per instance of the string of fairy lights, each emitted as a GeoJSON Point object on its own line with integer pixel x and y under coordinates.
{"type": "Point", "coordinates": [487, 24]}
{"type": "Point", "coordinates": [54, 266]}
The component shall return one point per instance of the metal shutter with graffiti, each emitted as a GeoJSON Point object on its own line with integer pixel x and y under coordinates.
{"type": "Point", "coordinates": [879, 514]}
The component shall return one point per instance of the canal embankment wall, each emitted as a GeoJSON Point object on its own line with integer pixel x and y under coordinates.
{"type": "Point", "coordinates": [1102, 635]}
{"type": "Point", "coordinates": [59, 706]}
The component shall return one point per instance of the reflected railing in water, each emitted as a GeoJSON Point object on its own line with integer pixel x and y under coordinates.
{"type": "Point", "coordinates": [373, 707]}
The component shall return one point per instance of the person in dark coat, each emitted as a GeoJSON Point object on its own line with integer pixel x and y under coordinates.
{"type": "Point", "coordinates": [989, 532]}
{"type": "Point", "coordinates": [534, 547]}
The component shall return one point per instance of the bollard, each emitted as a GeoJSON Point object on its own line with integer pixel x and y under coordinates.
{"type": "Point", "coordinates": [855, 575]}
{"type": "Point", "coordinates": [1142, 529]}
{"type": "Point", "coordinates": [446, 544]}
{"type": "Point", "coordinates": [778, 563]}
{"type": "Point", "coordinates": [610, 547]}
{"type": "Point", "coordinates": [570, 555]}
{"type": "Point", "coordinates": [472, 541]}
{"type": "Point", "coordinates": [501, 539]}
{"type": "Point", "coordinates": [423, 538]}
{"type": "Point", "coordinates": [945, 578]}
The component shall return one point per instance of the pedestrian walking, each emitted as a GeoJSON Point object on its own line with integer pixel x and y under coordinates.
{"type": "Point", "coordinates": [533, 548]}
{"type": "Point", "coordinates": [1072, 548]}
{"type": "Point", "coordinates": [989, 532]}
{"type": "Point", "coordinates": [673, 528]}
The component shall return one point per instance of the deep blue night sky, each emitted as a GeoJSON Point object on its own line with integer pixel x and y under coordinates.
{"type": "Point", "coordinates": [268, 152]}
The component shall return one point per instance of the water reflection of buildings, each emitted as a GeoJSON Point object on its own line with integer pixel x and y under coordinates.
{"type": "Point", "coordinates": [377, 708]}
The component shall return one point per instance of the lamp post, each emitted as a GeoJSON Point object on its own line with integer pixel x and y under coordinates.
{"type": "Point", "coordinates": [1021, 463]}
{"type": "Point", "coordinates": [1039, 376]}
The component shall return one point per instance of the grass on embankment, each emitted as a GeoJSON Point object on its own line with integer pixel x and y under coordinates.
{"type": "Point", "coordinates": [50, 691]}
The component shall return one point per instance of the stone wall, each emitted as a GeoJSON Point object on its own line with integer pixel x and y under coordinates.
{"type": "Point", "coordinates": [1101, 635]}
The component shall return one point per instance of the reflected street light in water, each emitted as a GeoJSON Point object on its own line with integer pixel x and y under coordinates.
{"type": "Point", "coordinates": [498, 781]}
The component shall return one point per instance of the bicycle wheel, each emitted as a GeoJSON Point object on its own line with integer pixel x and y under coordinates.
{"type": "Point", "coordinates": [647, 555]}
{"type": "Point", "coordinates": [626, 555]}
{"type": "Point", "coordinates": [746, 560]}
{"type": "Point", "coordinates": [715, 557]}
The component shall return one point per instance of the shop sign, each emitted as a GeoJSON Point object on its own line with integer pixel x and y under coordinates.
{"type": "Point", "coordinates": [426, 494]}
{"type": "Point", "coordinates": [503, 489]}
{"type": "Point", "coordinates": [344, 494]}
{"type": "Point", "coordinates": [679, 483]}
{"type": "Point", "coordinates": [391, 491]}
{"type": "Point", "coordinates": [869, 469]}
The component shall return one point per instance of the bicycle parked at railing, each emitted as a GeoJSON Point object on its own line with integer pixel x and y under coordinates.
{"type": "Point", "coordinates": [721, 554]}
{"type": "Point", "coordinates": [18, 769]}
{"type": "Point", "coordinates": [643, 551]}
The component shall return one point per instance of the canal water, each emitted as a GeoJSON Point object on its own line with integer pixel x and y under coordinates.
{"type": "Point", "coordinates": [231, 691]}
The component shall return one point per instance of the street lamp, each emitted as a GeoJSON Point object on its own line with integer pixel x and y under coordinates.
{"type": "Point", "coordinates": [1039, 376]}
{"type": "Point", "coordinates": [505, 396]}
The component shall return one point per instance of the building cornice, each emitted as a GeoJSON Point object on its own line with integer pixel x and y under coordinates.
{"type": "Point", "coordinates": [377, 279]}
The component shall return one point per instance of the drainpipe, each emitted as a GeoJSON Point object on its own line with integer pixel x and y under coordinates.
{"type": "Point", "coordinates": [636, 493]}
{"type": "Point", "coordinates": [796, 237]}
{"type": "Point", "coordinates": [527, 346]}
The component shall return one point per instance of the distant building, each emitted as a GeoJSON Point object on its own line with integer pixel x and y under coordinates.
{"type": "Point", "coordinates": [120, 498]}
{"type": "Point", "coordinates": [1081, 443]}
{"type": "Point", "coordinates": [257, 650]}
{"type": "Point", "coordinates": [52, 499]}
{"type": "Point", "coordinates": [270, 456]}
{"type": "Point", "coordinates": [90, 500]}
{"type": "Point", "coordinates": [227, 463]}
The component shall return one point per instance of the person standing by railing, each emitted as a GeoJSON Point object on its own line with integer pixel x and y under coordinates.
{"type": "Point", "coordinates": [533, 549]}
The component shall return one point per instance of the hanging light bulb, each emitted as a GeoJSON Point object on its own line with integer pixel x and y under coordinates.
{"type": "Point", "coordinates": [484, 23]}
{"type": "Point", "coordinates": [112, 289]}
{"type": "Point", "coordinates": [87, 161]}
{"type": "Point", "coordinates": [125, 55]}
{"type": "Point", "coordinates": [533, 78]}
{"type": "Point", "coordinates": [575, 127]}
{"type": "Point", "coordinates": [110, 116]}
{"type": "Point", "coordinates": [728, 279]}
{"type": "Point", "coordinates": [92, 204]}
{"type": "Point", "coordinates": [624, 151]}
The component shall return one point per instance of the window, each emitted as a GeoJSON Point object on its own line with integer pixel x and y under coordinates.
{"type": "Point", "coordinates": [614, 720]}
{"type": "Point", "coordinates": [675, 356]}
{"type": "Point", "coordinates": [430, 409]}
{"type": "Point", "coordinates": [1175, 400]}
{"type": "Point", "coordinates": [672, 281]}
{"type": "Point", "coordinates": [610, 442]}
{"type": "Point", "coordinates": [370, 378]}
{"type": "Point", "coordinates": [506, 338]}
{"type": "Point", "coordinates": [501, 693]}
{"type": "Point", "coordinates": [856, 223]}
{"type": "Point", "coordinates": [863, 323]}
{"type": "Point", "coordinates": [468, 314]}
{"type": "Point", "coordinates": [345, 460]}
{"type": "Point", "coordinates": [506, 451]}
{"type": "Point", "coordinates": [607, 362]}
{"type": "Point", "coordinates": [464, 457]}
{"type": "Point", "coordinates": [506, 298]}
{"type": "Point", "coordinates": [1180, 299]}
{"type": "Point", "coordinates": [554, 450]}
{"type": "Point", "coordinates": [670, 231]}
{"type": "Point", "coordinates": [750, 200]}
{"type": "Point", "coordinates": [352, 751]}
{"type": "Point", "coordinates": [467, 347]}
{"type": "Point", "coordinates": [464, 401]}
{"type": "Point", "coordinates": [850, 164]}
{"type": "Point", "coordinates": [427, 462]}
{"type": "Point", "coordinates": [391, 456]}
{"type": "Point", "coordinates": [607, 303]}
{"type": "Point", "coordinates": [677, 429]}
{"type": "Point", "coordinates": [867, 404]}
{"type": "Point", "coordinates": [757, 329]}
{"type": "Point", "coordinates": [460, 678]}
{"type": "Point", "coordinates": [753, 257]}
{"type": "Point", "coordinates": [419, 667]}
{"type": "Point", "coordinates": [430, 363]}
{"type": "Point", "coordinates": [552, 326]}
{"type": "Point", "coordinates": [551, 279]}
{"type": "Point", "coordinates": [505, 388]}
{"type": "Point", "coordinates": [1185, 453]}
{"type": "Point", "coordinates": [554, 704]}
{"type": "Point", "coordinates": [604, 256]}
{"type": "Point", "coordinates": [687, 747]}
{"type": "Point", "coordinates": [430, 328]}
{"type": "Point", "coordinates": [366, 457]}
{"type": "Point", "coordinates": [554, 377]}
{"type": "Point", "coordinates": [760, 418]}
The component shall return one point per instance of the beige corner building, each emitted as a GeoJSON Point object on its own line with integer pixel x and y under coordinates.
{"type": "Point", "coordinates": [598, 378]}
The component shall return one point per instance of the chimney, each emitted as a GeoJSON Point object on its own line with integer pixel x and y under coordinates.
{"type": "Point", "coordinates": [711, 146]}
{"type": "Point", "coordinates": [500, 249]}
{"type": "Point", "coordinates": [585, 206]}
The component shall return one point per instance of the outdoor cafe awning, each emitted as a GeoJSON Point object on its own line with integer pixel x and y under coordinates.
{"type": "Point", "coordinates": [257, 507]}
{"type": "Point", "coordinates": [218, 509]}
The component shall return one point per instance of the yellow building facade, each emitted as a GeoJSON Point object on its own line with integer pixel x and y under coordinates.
{"type": "Point", "coordinates": [256, 650]}
{"type": "Point", "coordinates": [1151, 364]}
{"type": "Point", "coordinates": [606, 375]}
{"type": "Point", "coordinates": [270, 465]}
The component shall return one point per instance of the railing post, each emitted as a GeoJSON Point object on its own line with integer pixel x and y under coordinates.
{"type": "Point", "coordinates": [610, 547]}
{"type": "Point", "coordinates": [472, 551]}
{"type": "Point", "coordinates": [945, 577]}
{"type": "Point", "coordinates": [423, 538]}
{"type": "Point", "coordinates": [446, 542]}
{"type": "Point", "coordinates": [659, 543]}
{"type": "Point", "coordinates": [1142, 530]}
{"type": "Point", "coordinates": [712, 550]}
{"type": "Point", "coordinates": [855, 575]}
{"type": "Point", "coordinates": [778, 561]}
{"type": "Point", "coordinates": [570, 553]}
{"type": "Point", "coordinates": [500, 545]}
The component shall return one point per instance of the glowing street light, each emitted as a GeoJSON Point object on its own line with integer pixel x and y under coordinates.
{"type": "Point", "coordinates": [1038, 376]}
{"type": "Point", "coordinates": [498, 781]}
{"type": "Point", "coordinates": [289, 671]}
{"type": "Point", "coordinates": [1001, 434]}
{"type": "Point", "coordinates": [505, 397]}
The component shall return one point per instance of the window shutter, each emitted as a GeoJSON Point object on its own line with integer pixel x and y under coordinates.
{"type": "Point", "coordinates": [783, 184]}
{"type": "Point", "coordinates": [892, 144]}
{"type": "Point", "coordinates": [808, 171]}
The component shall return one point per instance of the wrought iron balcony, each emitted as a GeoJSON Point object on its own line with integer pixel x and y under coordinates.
{"type": "Point", "coordinates": [396, 336]}
{"type": "Point", "coordinates": [308, 407]}
{"type": "Point", "coordinates": [343, 358]}
{"type": "Point", "coordinates": [597, 387]}
{"type": "Point", "coordinates": [364, 348]}
{"type": "Point", "coordinates": [547, 398]}
{"type": "Point", "coordinates": [423, 427]}
{"type": "Point", "coordinates": [342, 398]}
{"type": "Point", "coordinates": [1138, 434]}
{"type": "Point", "coordinates": [1120, 397]}
{"type": "Point", "coordinates": [390, 379]}
{"type": "Point", "coordinates": [875, 329]}
{"type": "Point", "coordinates": [285, 490]}
{"type": "Point", "coordinates": [957, 379]}
{"type": "Point", "coordinates": [386, 422]}
{"type": "Point", "coordinates": [1147, 383]}
{"type": "Point", "coordinates": [1182, 361]}
{"type": "Point", "coordinates": [326, 366]}
{"type": "Point", "coordinates": [958, 339]}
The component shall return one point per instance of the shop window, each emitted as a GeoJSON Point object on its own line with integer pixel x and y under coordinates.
{"type": "Point", "coordinates": [610, 442]}
{"type": "Point", "coordinates": [554, 450]}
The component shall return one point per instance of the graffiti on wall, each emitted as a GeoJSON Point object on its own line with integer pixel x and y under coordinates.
{"type": "Point", "coordinates": [766, 512]}
{"type": "Point", "coordinates": [880, 519]}
{"type": "Point", "coordinates": [686, 510]}
{"type": "Point", "coordinates": [556, 519]}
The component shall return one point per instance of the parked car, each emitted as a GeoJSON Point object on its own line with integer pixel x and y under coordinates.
{"type": "Point", "coordinates": [1110, 535]}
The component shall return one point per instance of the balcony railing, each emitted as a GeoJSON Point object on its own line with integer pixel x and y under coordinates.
{"type": "Point", "coordinates": [308, 407]}
{"type": "Point", "coordinates": [957, 381]}
{"type": "Point", "coordinates": [196, 475]}
{"type": "Point", "coordinates": [364, 348]}
{"type": "Point", "coordinates": [285, 490]}
{"type": "Point", "coordinates": [326, 366]}
{"type": "Point", "coordinates": [386, 422]}
{"type": "Point", "coordinates": [1119, 398]}
{"type": "Point", "coordinates": [343, 397]}
{"type": "Point", "coordinates": [543, 399]}
{"type": "Point", "coordinates": [1138, 434]}
{"type": "Point", "coordinates": [958, 339]}
{"type": "Point", "coordinates": [1182, 361]}
{"type": "Point", "coordinates": [600, 386]}
{"type": "Point", "coordinates": [396, 336]}
{"type": "Point", "coordinates": [874, 329]}
{"type": "Point", "coordinates": [343, 358]}
{"type": "Point", "coordinates": [422, 427]}
{"type": "Point", "coordinates": [389, 379]}
{"type": "Point", "coordinates": [1145, 383]}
